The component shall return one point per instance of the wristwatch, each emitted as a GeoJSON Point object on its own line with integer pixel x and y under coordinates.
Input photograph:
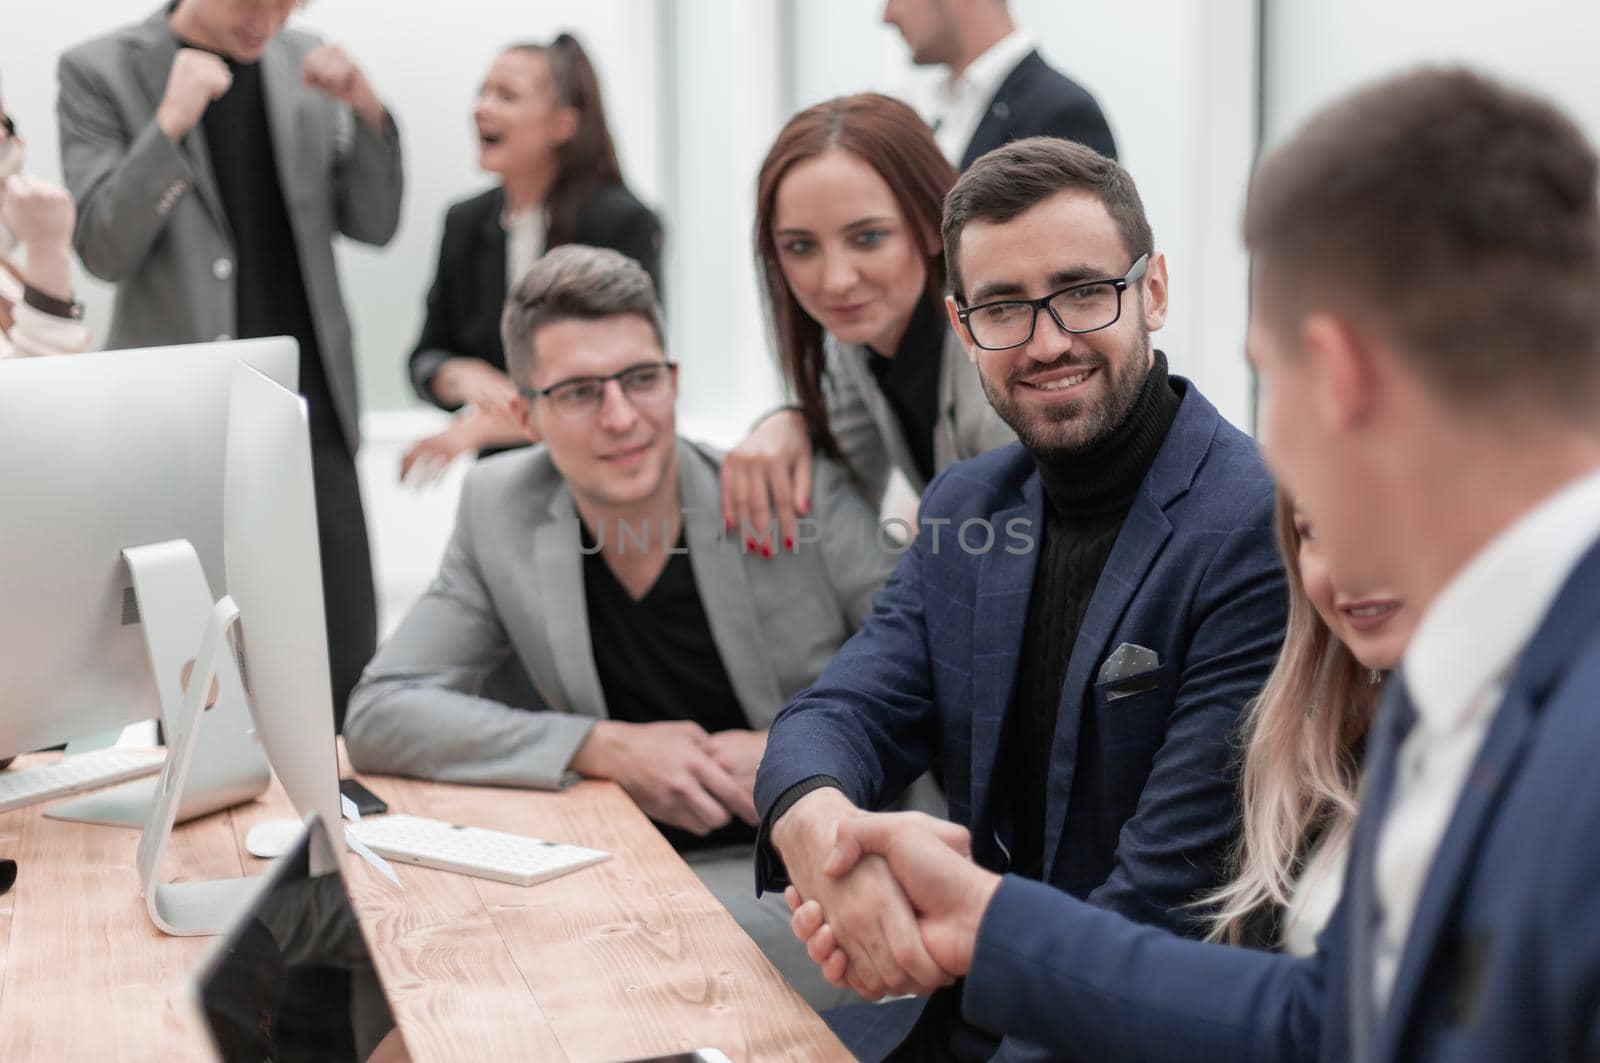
{"type": "Point", "coordinates": [49, 304]}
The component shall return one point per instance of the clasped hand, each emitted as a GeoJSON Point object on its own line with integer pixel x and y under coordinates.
{"type": "Point", "coordinates": [882, 900]}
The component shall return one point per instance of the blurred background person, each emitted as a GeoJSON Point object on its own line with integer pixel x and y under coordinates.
{"type": "Point", "coordinates": [999, 87]}
{"type": "Point", "coordinates": [848, 246]}
{"type": "Point", "coordinates": [541, 126]}
{"type": "Point", "coordinates": [38, 314]}
{"type": "Point", "coordinates": [215, 155]}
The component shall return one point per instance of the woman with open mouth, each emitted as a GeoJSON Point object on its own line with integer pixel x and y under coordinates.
{"type": "Point", "coordinates": [541, 128]}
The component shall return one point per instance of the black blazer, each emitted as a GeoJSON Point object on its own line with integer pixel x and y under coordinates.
{"type": "Point", "coordinates": [469, 289]}
{"type": "Point", "coordinates": [1038, 100]}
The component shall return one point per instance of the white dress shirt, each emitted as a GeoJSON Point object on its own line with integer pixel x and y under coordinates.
{"type": "Point", "coordinates": [961, 102]}
{"type": "Point", "coordinates": [526, 231]}
{"type": "Point", "coordinates": [1456, 670]}
{"type": "Point", "coordinates": [1315, 896]}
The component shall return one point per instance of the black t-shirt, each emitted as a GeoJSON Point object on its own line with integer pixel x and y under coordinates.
{"type": "Point", "coordinates": [269, 288]}
{"type": "Point", "coordinates": [910, 380]}
{"type": "Point", "coordinates": [657, 661]}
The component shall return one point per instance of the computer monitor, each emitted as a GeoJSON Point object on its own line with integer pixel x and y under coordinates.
{"type": "Point", "coordinates": [101, 452]}
{"type": "Point", "coordinates": [269, 514]}
{"type": "Point", "coordinates": [274, 610]}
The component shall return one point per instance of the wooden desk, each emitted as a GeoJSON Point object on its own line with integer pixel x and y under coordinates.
{"type": "Point", "coordinates": [630, 958]}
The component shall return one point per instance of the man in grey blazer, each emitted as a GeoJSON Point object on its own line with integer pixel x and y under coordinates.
{"type": "Point", "coordinates": [214, 154]}
{"type": "Point", "coordinates": [659, 647]}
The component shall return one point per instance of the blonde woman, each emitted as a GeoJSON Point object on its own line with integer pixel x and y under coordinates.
{"type": "Point", "coordinates": [1304, 739]}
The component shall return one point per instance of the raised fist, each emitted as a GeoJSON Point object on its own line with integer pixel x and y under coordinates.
{"type": "Point", "coordinates": [195, 80]}
{"type": "Point", "coordinates": [330, 71]}
{"type": "Point", "coordinates": [39, 214]}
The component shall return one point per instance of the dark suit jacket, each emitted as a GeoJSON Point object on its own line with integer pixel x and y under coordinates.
{"type": "Point", "coordinates": [469, 289]}
{"type": "Point", "coordinates": [1141, 797]}
{"type": "Point", "coordinates": [1503, 958]}
{"type": "Point", "coordinates": [1037, 100]}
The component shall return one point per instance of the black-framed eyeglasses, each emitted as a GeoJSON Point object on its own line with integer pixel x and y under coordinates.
{"type": "Point", "coordinates": [1085, 307]}
{"type": "Point", "coordinates": [582, 396]}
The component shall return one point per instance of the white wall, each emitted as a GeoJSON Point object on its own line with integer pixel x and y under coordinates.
{"type": "Point", "coordinates": [1317, 50]}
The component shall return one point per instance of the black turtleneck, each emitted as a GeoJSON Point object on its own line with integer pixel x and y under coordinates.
{"type": "Point", "coordinates": [1088, 495]}
{"type": "Point", "coordinates": [910, 380]}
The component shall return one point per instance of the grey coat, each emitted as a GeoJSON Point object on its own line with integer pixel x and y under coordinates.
{"type": "Point", "coordinates": [868, 432]}
{"type": "Point", "coordinates": [150, 216]}
{"type": "Point", "coordinates": [512, 582]}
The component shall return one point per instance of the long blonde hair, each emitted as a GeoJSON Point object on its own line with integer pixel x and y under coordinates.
{"type": "Point", "coordinates": [1300, 762]}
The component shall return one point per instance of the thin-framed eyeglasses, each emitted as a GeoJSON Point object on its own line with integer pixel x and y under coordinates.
{"type": "Point", "coordinates": [582, 396]}
{"type": "Point", "coordinates": [1088, 306]}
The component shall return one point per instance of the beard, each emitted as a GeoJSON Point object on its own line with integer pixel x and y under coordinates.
{"type": "Point", "coordinates": [1066, 430]}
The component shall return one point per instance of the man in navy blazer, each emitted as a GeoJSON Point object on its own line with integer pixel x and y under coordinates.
{"type": "Point", "coordinates": [1433, 412]}
{"type": "Point", "coordinates": [1079, 620]}
{"type": "Point", "coordinates": [1000, 88]}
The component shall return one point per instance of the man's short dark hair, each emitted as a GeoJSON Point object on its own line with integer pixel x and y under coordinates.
{"type": "Point", "coordinates": [1011, 179]}
{"type": "Point", "coordinates": [1456, 216]}
{"type": "Point", "coordinates": [573, 282]}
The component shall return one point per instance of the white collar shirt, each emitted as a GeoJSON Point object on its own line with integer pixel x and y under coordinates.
{"type": "Point", "coordinates": [1456, 670]}
{"type": "Point", "coordinates": [961, 102]}
{"type": "Point", "coordinates": [526, 231]}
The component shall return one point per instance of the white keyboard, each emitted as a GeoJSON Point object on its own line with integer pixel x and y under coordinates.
{"type": "Point", "coordinates": [75, 774]}
{"type": "Point", "coordinates": [493, 854]}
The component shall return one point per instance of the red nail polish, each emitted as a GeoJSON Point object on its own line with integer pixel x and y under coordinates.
{"type": "Point", "coordinates": [788, 543]}
{"type": "Point", "coordinates": [766, 551]}
{"type": "Point", "coordinates": [749, 544]}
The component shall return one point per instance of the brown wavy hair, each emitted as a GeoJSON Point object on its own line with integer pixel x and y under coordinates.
{"type": "Point", "coordinates": [588, 160]}
{"type": "Point", "coordinates": [891, 138]}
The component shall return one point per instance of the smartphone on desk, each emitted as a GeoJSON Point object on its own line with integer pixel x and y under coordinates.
{"type": "Point", "coordinates": [367, 802]}
{"type": "Point", "coordinates": [699, 1055]}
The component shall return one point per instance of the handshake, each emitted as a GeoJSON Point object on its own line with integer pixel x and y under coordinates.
{"type": "Point", "coordinates": [886, 903]}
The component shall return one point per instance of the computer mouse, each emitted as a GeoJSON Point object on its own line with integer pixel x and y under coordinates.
{"type": "Point", "coordinates": [271, 838]}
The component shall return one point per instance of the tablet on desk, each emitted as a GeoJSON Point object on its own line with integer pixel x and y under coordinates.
{"type": "Point", "coordinates": [293, 978]}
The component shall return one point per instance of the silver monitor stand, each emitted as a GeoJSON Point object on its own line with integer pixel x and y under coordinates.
{"type": "Point", "coordinates": [274, 574]}
{"type": "Point", "coordinates": [189, 908]}
{"type": "Point", "coordinates": [230, 768]}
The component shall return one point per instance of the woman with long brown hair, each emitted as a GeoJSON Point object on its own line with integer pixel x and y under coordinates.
{"type": "Point", "coordinates": [1303, 742]}
{"type": "Point", "coordinates": [542, 130]}
{"type": "Point", "coordinates": [848, 204]}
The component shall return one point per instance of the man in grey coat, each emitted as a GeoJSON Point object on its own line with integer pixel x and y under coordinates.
{"type": "Point", "coordinates": [659, 645]}
{"type": "Point", "coordinates": [214, 155]}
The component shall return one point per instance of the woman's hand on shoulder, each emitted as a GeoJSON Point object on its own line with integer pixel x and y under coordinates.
{"type": "Point", "coordinates": [767, 477]}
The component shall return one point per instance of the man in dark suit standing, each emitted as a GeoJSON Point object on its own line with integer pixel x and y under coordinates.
{"type": "Point", "coordinates": [1077, 624]}
{"type": "Point", "coordinates": [999, 89]}
{"type": "Point", "coordinates": [214, 154]}
{"type": "Point", "coordinates": [1433, 413]}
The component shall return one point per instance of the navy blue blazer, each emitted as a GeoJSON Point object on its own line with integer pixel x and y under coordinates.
{"type": "Point", "coordinates": [1141, 801]}
{"type": "Point", "coordinates": [1037, 100]}
{"type": "Point", "coordinates": [1503, 959]}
